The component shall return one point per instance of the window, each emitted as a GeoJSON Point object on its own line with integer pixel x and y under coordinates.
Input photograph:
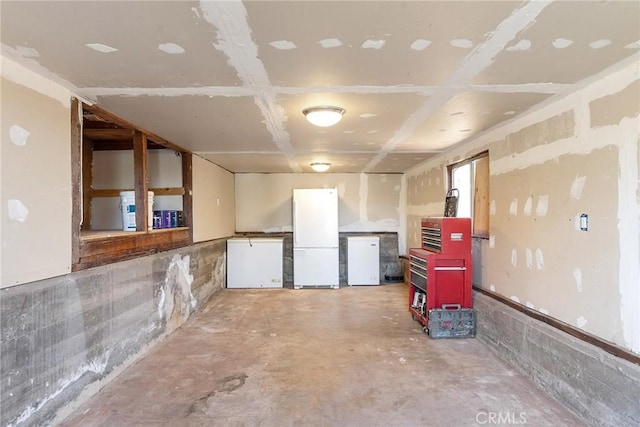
{"type": "Point", "coordinates": [471, 178]}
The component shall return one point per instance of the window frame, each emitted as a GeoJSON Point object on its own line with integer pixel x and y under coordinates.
{"type": "Point", "coordinates": [481, 211]}
{"type": "Point", "coordinates": [92, 251]}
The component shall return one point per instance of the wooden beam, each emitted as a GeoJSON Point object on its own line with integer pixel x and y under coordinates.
{"type": "Point", "coordinates": [109, 134]}
{"type": "Point", "coordinates": [76, 178]}
{"type": "Point", "coordinates": [141, 180]}
{"type": "Point", "coordinates": [115, 192]}
{"type": "Point", "coordinates": [564, 327]}
{"type": "Point", "coordinates": [110, 145]}
{"type": "Point", "coordinates": [175, 191]}
{"type": "Point", "coordinates": [121, 122]}
{"type": "Point", "coordinates": [96, 251]}
{"type": "Point", "coordinates": [187, 198]}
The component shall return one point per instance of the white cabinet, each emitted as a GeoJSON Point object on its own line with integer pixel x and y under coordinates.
{"type": "Point", "coordinates": [254, 263]}
{"type": "Point", "coordinates": [363, 260]}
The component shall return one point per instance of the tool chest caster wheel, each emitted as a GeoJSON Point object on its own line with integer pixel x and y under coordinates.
{"type": "Point", "coordinates": [425, 330]}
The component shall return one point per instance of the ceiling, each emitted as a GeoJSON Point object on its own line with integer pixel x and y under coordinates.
{"type": "Point", "coordinates": [229, 80]}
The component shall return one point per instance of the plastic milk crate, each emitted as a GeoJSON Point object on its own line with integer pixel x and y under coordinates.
{"type": "Point", "coordinates": [451, 321]}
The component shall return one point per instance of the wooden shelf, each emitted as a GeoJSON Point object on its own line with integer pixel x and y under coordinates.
{"type": "Point", "coordinates": [106, 234]}
{"type": "Point", "coordinates": [100, 247]}
{"type": "Point", "coordinates": [174, 191]}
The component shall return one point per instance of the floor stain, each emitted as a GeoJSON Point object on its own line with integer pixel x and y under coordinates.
{"type": "Point", "coordinates": [233, 382]}
{"type": "Point", "coordinates": [225, 385]}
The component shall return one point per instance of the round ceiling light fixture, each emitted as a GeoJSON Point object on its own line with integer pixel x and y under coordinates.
{"type": "Point", "coordinates": [323, 116]}
{"type": "Point", "coordinates": [320, 166]}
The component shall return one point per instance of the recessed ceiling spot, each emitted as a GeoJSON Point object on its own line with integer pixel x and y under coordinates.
{"type": "Point", "coordinates": [598, 44]}
{"type": "Point", "coordinates": [462, 43]}
{"type": "Point", "coordinates": [329, 43]}
{"type": "Point", "coordinates": [420, 44]}
{"type": "Point", "coordinates": [367, 115]}
{"type": "Point", "coordinates": [27, 52]}
{"type": "Point", "coordinates": [349, 131]}
{"type": "Point", "coordinates": [101, 47]}
{"type": "Point", "coordinates": [373, 44]}
{"type": "Point", "coordinates": [171, 48]}
{"type": "Point", "coordinates": [283, 44]}
{"type": "Point", "coordinates": [521, 45]}
{"type": "Point", "coordinates": [561, 43]}
{"type": "Point", "coordinates": [465, 130]}
{"type": "Point", "coordinates": [372, 131]}
{"type": "Point", "coordinates": [457, 113]}
{"type": "Point", "coordinates": [509, 113]}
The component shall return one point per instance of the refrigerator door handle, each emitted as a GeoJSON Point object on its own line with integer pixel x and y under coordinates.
{"type": "Point", "coordinates": [295, 215]}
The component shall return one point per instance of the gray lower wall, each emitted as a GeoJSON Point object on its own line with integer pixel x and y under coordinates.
{"type": "Point", "coordinates": [599, 387]}
{"type": "Point", "coordinates": [390, 263]}
{"type": "Point", "coordinates": [60, 335]}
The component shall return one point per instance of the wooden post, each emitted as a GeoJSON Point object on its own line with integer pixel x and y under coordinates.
{"type": "Point", "coordinates": [187, 198]}
{"type": "Point", "coordinates": [76, 178]}
{"type": "Point", "coordinates": [87, 182]}
{"type": "Point", "coordinates": [141, 180]}
{"type": "Point", "coordinates": [481, 197]}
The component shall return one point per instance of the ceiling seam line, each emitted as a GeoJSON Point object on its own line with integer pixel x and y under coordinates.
{"type": "Point", "coordinates": [477, 61]}
{"type": "Point", "coordinates": [235, 41]}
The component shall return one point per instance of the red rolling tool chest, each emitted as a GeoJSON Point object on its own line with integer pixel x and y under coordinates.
{"type": "Point", "coordinates": [440, 275]}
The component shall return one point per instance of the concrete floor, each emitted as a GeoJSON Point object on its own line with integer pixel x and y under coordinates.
{"type": "Point", "coordinates": [347, 357]}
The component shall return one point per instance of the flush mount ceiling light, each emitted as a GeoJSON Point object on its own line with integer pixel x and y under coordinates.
{"type": "Point", "coordinates": [323, 116]}
{"type": "Point", "coordinates": [320, 166]}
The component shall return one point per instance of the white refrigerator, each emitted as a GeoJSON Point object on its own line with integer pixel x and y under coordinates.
{"type": "Point", "coordinates": [315, 238]}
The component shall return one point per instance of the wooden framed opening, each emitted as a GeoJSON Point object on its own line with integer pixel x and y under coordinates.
{"type": "Point", "coordinates": [110, 156]}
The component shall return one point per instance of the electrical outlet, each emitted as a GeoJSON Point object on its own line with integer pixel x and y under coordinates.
{"type": "Point", "coordinates": [584, 222]}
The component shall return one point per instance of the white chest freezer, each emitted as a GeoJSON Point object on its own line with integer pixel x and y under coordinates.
{"type": "Point", "coordinates": [254, 263]}
{"type": "Point", "coordinates": [363, 260]}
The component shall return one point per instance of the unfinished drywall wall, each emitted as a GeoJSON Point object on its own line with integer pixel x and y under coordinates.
{"type": "Point", "coordinates": [367, 202]}
{"type": "Point", "coordinates": [36, 177]}
{"type": "Point", "coordinates": [572, 156]}
{"type": "Point", "coordinates": [213, 201]}
{"type": "Point", "coordinates": [536, 235]}
{"type": "Point", "coordinates": [426, 191]}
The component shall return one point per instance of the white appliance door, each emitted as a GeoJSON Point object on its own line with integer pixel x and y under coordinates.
{"type": "Point", "coordinates": [315, 218]}
{"type": "Point", "coordinates": [254, 263]}
{"type": "Point", "coordinates": [363, 260]}
{"type": "Point", "coordinates": [315, 268]}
